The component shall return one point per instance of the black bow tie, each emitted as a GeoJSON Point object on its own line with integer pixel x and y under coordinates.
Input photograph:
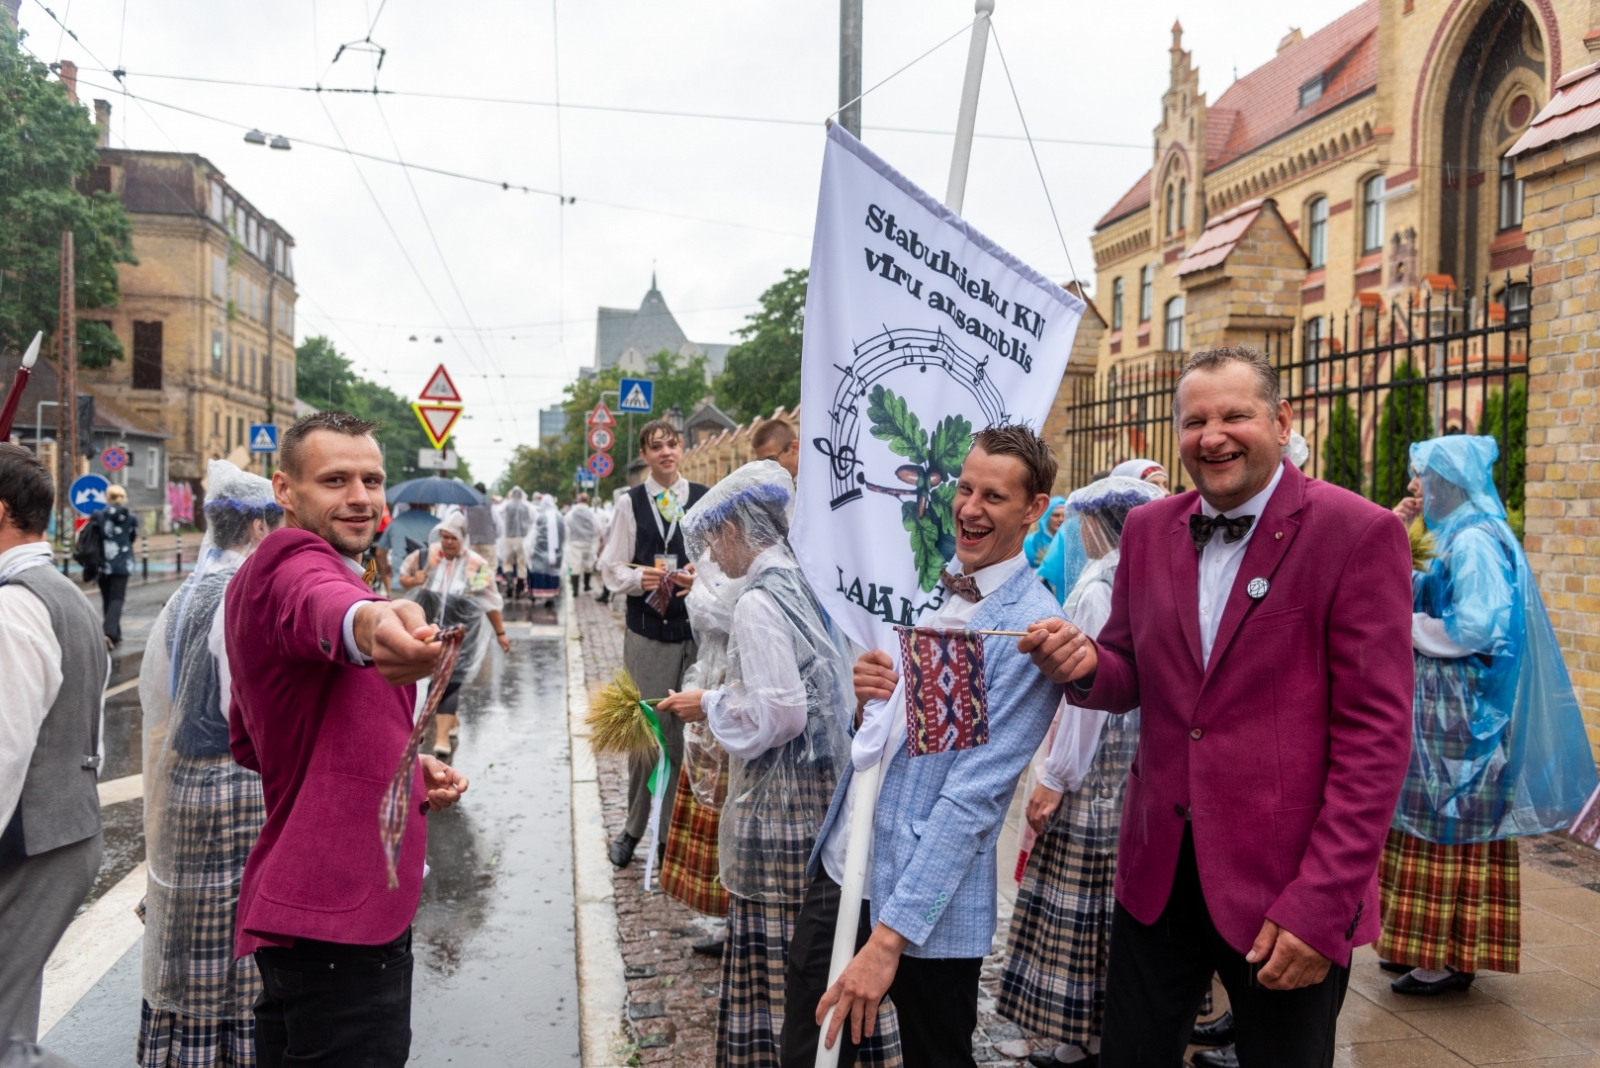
{"type": "Point", "coordinates": [961, 585]}
{"type": "Point", "coordinates": [1201, 527]}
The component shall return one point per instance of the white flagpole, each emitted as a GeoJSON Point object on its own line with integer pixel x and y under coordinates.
{"type": "Point", "coordinates": [858, 850]}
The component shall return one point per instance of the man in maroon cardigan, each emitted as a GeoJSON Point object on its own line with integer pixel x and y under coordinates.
{"type": "Point", "coordinates": [1262, 625]}
{"type": "Point", "coordinates": [323, 672]}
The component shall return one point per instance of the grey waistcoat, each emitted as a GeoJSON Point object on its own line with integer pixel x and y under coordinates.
{"type": "Point", "coordinates": [60, 801]}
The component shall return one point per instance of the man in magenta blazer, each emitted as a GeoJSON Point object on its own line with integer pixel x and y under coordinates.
{"type": "Point", "coordinates": [1272, 663]}
{"type": "Point", "coordinates": [322, 703]}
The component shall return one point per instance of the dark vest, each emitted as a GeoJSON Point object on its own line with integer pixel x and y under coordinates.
{"type": "Point", "coordinates": [647, 543]}
{"type": "Point", "coordinates": [60, 802]}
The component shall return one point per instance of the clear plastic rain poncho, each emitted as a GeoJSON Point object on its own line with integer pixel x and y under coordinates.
{"type": "Point", "coordinates": [1499, 749]}
{"type": "Point", "coordinates": [202, 812]}
{"type": "Point", "coordinates": [710, 606]}
{"type": "Point", "coordinates": [460, 590]}
{"type": "Point", "coordinates": [544, 538]}
{"type": "Point", "coordinates": [780, 711]}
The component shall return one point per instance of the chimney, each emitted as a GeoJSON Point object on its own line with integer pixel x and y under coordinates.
{"type": "Point", "coordinates": [102, 121]}
{"type": "Point", "coordinates": [68, 73]}
{"type": "Point", "coordinates": [1290, 39]}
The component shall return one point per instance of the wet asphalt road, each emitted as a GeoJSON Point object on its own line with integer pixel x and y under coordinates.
{"type": "Point", "coordinates": [496, 977]}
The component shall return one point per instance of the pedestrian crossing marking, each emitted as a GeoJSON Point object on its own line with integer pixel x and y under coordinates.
{"type": "Point", "coordinates": [635, 400]}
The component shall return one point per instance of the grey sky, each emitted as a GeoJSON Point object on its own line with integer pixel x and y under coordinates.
{"type": "Point", "coordinates": [1084, 71]}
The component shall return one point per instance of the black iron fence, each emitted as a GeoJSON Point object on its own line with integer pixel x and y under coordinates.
{"type": "Point", "coordinates": [1362, 389]}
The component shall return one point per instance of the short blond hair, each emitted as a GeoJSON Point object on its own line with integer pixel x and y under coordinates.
{"type": "Point", "coordinates": [116, 494]}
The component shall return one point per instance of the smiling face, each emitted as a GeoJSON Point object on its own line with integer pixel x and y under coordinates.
{"type": "Point", "coordinates": [338, 491]}
{"type": "Point", "coordinates": [1231, 440]}
{"type": "Point", "coordinates": [993, 509]}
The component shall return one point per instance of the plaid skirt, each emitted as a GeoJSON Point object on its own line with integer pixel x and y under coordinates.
{"type": "Point", "coordinates": [689, 871]}
{"type": "Point", "coordinates": [1054, 983]}
{"type": "Point", "coordinates": [750, 1007]}
{"type": "Point", "coordinates": [167, 1040]}
{"type": "Point", "coordinates": [1451, 906]}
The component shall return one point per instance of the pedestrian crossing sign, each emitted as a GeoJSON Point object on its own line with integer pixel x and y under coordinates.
{"type": "Point", "coordinates": [263, 437]}
{"type": "Point", "coordinates": [636, 394]}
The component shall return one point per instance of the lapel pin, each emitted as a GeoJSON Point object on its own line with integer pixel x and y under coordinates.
{"type": "Point", "coordinates": [1257, 589]}
{"type": "Point", "coordinates": [1278, 535]}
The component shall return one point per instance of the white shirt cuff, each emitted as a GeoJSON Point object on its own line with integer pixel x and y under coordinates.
{"type": "Point", "coordinates": [350, 648]}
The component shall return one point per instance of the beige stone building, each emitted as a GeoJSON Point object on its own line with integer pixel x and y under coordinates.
{"type": "Point", "coordinates": [206, 318]}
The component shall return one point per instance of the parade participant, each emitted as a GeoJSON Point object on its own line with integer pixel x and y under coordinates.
{"type": "Point", "coordinates": [322, 708]}
{"type": "Point", "coordinates": [1260, 625]}
{"type": "Point", "coordinates": [583, 538]}
{"type": "Point", "coordinates": [643, 548]}
{"type": "Point", "coordinates": [933, 878]}
{"type": "Point", "coordinates": [516, 523]}
{"type": "Point", "coordinates": [117, 529]}
{"type": "Point", "coordinates": [54, 665]}
{"type": "Point", "coordinates": [779, 713]}
{"type": "Point", "coordinates": [1498, 750]}
{"type": "Point", "coordinates": [776, 440]}
{"type": "Point", "coordinates": [544, 550]}
{"type": "Point", "coordinates": [1143, 470]}
{"type": "Point", "coordinates": [484, 527]}
{"type": "Point", "coordinates": [202, 812]}
{"type": "Point", "coordinates": [1054, 979]}
{"type": "Point", "coordinates": [453, 584]}
{"type": "Point", "coordinates": [1037, 543]}
{"type": "Point", "coordinates": [1064, 559]}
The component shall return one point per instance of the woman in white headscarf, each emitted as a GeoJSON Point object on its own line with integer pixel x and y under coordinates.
{"type": "Point", "coordinates": [455, 585]}
{"type": "Point", "coordinates": [202, 811]}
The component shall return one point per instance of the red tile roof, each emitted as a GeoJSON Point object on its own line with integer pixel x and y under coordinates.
{"type": "Point", "coordinates": [1573, 110]}
{"type": "Point", "coordinates": [1265, 104]}
{"type": "Point", "coordinates": [1219, 237]}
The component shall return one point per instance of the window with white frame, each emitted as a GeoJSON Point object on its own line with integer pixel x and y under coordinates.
{"type": "Point", "coordinates": [1372, 214]}
{"type": "Point", "coordinates": [1116, 303]}
{"type": "Point", "coordinates": [1314, 350]}
{"type": "Point", "coordinates": [1510, 195]}
{"type": "Point", "coordinates": [1172, 326]}
{"type": "Point", "coordinates": [152, 468]}
{"type": "Point", "coordinates": [1147, 292]}
{"type": "Point", "coordinates": [1317, 232]}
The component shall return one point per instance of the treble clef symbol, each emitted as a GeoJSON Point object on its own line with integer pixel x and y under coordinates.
{"type": "Point", "coordinates": [844, 461]}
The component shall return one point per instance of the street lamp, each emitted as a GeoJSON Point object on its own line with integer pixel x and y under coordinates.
{"type": "Point", "coordinates": [256, 137]}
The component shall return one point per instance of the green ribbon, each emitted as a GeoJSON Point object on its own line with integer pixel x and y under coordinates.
{"type": "Point", "coordinates": [661, 741]}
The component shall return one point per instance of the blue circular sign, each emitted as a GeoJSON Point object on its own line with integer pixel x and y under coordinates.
{"type": "Point", "coordinates": [114, 459]}
{"type": "Point", "coordinates": [599, 464]}
{"type": "Point", "coordinates": [88, 494]}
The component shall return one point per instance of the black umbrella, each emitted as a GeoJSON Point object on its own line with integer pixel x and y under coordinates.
{"type": "Point", "coordinates": [435, 489]}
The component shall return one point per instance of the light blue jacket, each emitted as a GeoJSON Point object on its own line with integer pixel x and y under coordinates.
{"type": "Point", "coordinates": [939, 816]}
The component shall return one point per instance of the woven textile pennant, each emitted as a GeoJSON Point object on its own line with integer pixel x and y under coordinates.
{"type": "Point", "coordinates": [393, 814]}
{"type": "Point", "coordinates": [947, 700]}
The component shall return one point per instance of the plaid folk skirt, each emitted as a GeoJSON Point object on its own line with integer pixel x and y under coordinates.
{"type": "Point", "coordinates": [689, 871]}
{"type": "Point", "coordinates": [167, 1040]}
{"type": "Point", "coordinates": [1451, 906]}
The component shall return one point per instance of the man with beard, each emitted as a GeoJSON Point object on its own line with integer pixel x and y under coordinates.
{"type": "Point", "coordinates": [322, 701]}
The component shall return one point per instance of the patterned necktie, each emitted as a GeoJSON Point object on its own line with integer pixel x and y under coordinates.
{"type": "Point", "coordinates": [961, 585]}
{"type": "Point", "coordinates": [1201, 527]}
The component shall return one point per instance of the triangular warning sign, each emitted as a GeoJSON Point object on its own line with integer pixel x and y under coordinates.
{"type": "Point", "coordinates": [601, 416]}
{"type": "Point", "coordinates": [635, 400]}
{"type": "Point", "coordinates": [263, 442]}
{"type": "Point", "coordinates": [440, 389]}
{"type": "Point", "coordinates": [437, 420]}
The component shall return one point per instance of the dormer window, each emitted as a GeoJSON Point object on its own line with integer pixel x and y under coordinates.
{"type": "Point", "coordinates": [1311, 92]}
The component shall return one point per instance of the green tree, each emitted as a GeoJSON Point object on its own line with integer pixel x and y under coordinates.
{"type": "Point", "coordinates": [1405, 419]}
{"type": "Point", "coordinates": [677, 382]}
{"type": "Point", "coordinates": [1341, 450]}
{"type": "Point", "coordinates": [47, 149]}
{"type": "Point", "coordinates": [763, 371]}
{"type": "Point", "coordinates": [323, 378]}
{"type": "Point", "coordinates": [1513, 440]}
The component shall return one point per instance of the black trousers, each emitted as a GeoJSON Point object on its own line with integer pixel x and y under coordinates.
{"type": "Point", "coordinates": [342, 1006]}
{"type": "Point", "coordinates": [806, 977]}
{"type": "Point", "coordinates": [1157, 976]}
{"type": "Point", "coordinates": [936, 999]}
{"type": "Point", "coordinates": [113, 591]}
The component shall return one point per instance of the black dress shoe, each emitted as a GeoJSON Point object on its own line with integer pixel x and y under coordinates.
{"type": "Point", "coordinates": [710, 947]}
{"type": "Point", "coordinates": [1393, 966]}
{"type": "Point", "coordinates": [1221, 1057]}
{"type": "Point", "coordinates": [1410, 984]}
{"type": "Point", "coordinates": [1218, 1032]}
{"type": "Point", "coordinates": [621, 851]}
{"type": "Point", "coordinates": [1047, 1059]}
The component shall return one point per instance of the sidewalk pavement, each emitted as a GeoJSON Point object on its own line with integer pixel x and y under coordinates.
{"type": "Point", "coordinates": [1548, 1016]}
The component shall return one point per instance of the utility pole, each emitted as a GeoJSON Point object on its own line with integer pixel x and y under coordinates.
{"type": "Point", "coordinates": [850, 66]}
{"type": "Point", "coordinates": [967, 118]}
{"type": "Point", "coordinates": [67, 385]}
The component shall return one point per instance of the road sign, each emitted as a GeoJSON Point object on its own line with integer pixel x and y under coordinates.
{"type": "Point", "coordinates": [440, 389]}
{"type": "Point", "coordinates": [437, 420]}
{"type": "Point", "coordinates": [263, 437]}
{"type": "Point", "coordinates": [114, 459]}
{"type": "Point", "coordinates": [437, 460]}
{"type": "Point", "coordinates": [88, 493]}
{"type": "Point", "coordinates": [636, 394]}
{"type": "Point", "coordinates": [601, 439]}
{"type": "Point", "coordinates": [599, 464]}
{"type": "Point", "coordinates": [601, 416]}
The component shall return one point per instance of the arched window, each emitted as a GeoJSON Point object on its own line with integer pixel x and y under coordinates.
{"type": "Point", "coordinates": [1147, 287]}
{"type": "Point", "coordinates": [1510, 195]}
{"type": "Point", "coordinates": [1372, 214]}
{"type": "Point", "coordinates": [1317, 232]}
{"type": "Point", "coordinates": [1167, 226]}
{"type": "Point", "coordinates": [1172, 326]}
{"type": "Point", "coordinates": [1116, 303]}
{"type": "Point", "coordinates": [1183, 203]}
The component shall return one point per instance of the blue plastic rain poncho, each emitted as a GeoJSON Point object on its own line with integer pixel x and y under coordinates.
{"type": "Point", "coordinates": [1065, 559]}
{"type": "Point", "coordinates": [1499, 748]}
{"type": "Point", "coordinates": [1038, 540]}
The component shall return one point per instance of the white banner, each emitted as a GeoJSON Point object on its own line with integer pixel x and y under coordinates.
{"type": "Point", "coordinates": [918, 331]}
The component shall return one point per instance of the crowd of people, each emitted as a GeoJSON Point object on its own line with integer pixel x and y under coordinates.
{"type": "Point", "coordinates": [1258, 724]}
